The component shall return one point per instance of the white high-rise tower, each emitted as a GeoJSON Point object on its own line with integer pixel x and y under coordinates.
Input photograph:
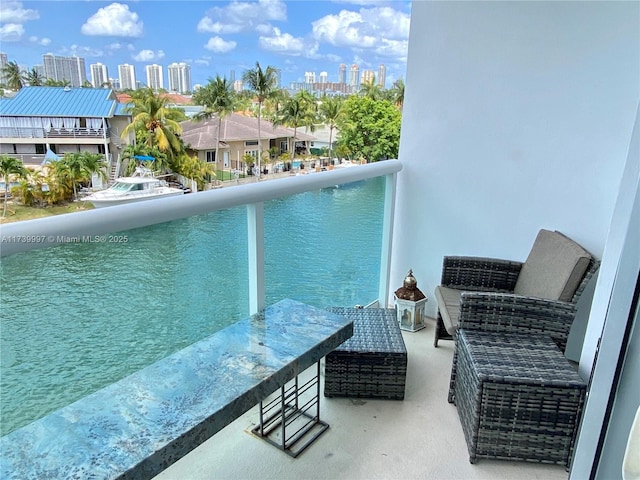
{"type": "Point", "coordinates": [179, 77]}
{"type": "Point", "coordinates": [99, 75]}
{"type": "Point", "coordinates": [127, 75]}
{"type": "Point", "coordinates": [155, 78]}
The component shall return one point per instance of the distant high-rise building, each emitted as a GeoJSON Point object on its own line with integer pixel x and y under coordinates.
{"type": "Point", "coordinates": [232, 76]}
{"type": "Point", "coordinates": [99, 75]}
{"type": "Point", "coordinates": [238, 86]}
{"type": "Point", "coordinates": [155, 78]}
{"type": "Point", "coordinates": [3, 62]}
{"type": "Point", "coordinates": [342, 73]}
{"type": "Point", "coordinates": [65, 69]}
{"type": "Point", "coordinates": [179, 75]}
{"type": "Point", "coordinates": [309, 77]}
{"type": "Point", "coordinates": [39, 69]}
{"type": "Point", "coordinates": [368, 76]}
{"type": "Point", "coordinates": [354, 76]}
{"type": "Point", "coordinates": [323, 77]}
{"type": "Point", "coordinates": [382, 76]}
{"type": "Point", "coordinates": [127, 76]}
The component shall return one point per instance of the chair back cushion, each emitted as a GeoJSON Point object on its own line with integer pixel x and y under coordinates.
{"type": "Point", "coordinates": [554, 268]}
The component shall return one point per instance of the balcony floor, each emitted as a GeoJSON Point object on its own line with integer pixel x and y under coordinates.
{"type": "Point", "coordinates": [418, 438]}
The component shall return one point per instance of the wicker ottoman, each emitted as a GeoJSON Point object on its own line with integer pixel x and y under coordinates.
{"type": "Point", "coordinates": [518, 397]}
{"type": "Point", "coordinates": [372, 363]}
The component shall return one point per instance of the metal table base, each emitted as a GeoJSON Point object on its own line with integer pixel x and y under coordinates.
{"type": "Point", "coordinates": [291, 421]}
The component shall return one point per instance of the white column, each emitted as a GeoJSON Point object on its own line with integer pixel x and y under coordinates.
{"type": "Point", "coordinates": [387, 235]}
{"type": "Point", "coordinates": [255, 240]}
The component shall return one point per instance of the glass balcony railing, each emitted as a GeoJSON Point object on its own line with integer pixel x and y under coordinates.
{"type": "Point", "coordinates": [151, 278]}
{"type": "Point", "coordinates": [94, 224]}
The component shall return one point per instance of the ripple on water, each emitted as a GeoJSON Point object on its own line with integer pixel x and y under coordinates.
{"type": "Point", "coordinates": [76, 318]}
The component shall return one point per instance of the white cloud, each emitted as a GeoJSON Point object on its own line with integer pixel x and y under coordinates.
{"type": "Point", "coordinates": [209, 26]}
{"type": "Point", "coordinates": [148, 55]}
{"type": "Point", "coordinates": [393, 48]}
{"type": "Point", "coordinates": [11, 32]}
{"type": "Point", "coordinates": [40, 41]}
{"type": "Point", "coordinates": [364, 29]}
{"type": "Point", "coordinates": [12, 12]}
{"type": "Point", "coordinates": [81, 51]}
{"type": "Point", "coordinates": [242, 16]}
{"type": "Point", "coordinates": [12, 16]}
{"type": "Point", "coordinates": [218, 45]}
{"type": "Point", "coordinates": [202, 61]}
{"type": "Point", "coordinates": [113, 20]}
{"type": "Point", "coordinates": [283, 43]}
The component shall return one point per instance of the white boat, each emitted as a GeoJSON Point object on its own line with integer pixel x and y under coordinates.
{"type": "Point", "coordinates": [142, 185]}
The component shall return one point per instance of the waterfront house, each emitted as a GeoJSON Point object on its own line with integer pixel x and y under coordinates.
{"type": "Point", "coordinates": [62, 120]}
{"type": "Point", "coordinates": [239, 137]}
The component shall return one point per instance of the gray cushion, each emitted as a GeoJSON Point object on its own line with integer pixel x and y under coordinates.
{"type": "Point", "coordinates": [449, 305]}
{"type": "Point", "coordinates": [554, 268]}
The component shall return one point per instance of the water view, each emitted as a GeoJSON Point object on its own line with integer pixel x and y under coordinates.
{"type": "Point", "coordinates": [78, 317]}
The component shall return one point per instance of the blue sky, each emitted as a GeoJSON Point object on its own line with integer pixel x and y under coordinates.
{"type": "Point", "coordinates": [214, 37]}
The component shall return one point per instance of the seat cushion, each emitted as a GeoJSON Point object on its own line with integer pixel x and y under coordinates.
{"type": "Point", "coordinates": [554, 268]}
{"type": "Point", "coordinates": [449, 305]}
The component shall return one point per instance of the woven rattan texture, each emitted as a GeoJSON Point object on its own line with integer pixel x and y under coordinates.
{"type": "Point", "coordinates": [517, 396]}
{"type": "Point", "coordinates": [372, 363]}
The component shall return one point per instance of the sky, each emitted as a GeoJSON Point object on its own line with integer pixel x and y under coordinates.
{"type": "Point", "coordinates": [213, 37]}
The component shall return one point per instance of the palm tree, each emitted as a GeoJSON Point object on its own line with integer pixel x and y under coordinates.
{"type": "Point", "coordinates": [297, 111]}
{"type": "Point", "coordinates": [130, 152]}
{"type": "Point", "coordinates": [371, 89]}
{"type": "Point", "coordinates": [219, 100]}
{"type": "Point", "coordinates": [10, 166]}
{"type": "Point", "coordinates": [79, 167]}
{"type": "Point", "coordinates": [263, 83]}
{"type": "Point", "coordinates": [398, 93]}
{"type": "Point", "coordinates": [155, 120]}
{"type": "Point", "coordinates": [34, 78]}
{"type": "Point", "coordinates": [331, 114]}
{"type": "Point", "coordinates": [13, 76]}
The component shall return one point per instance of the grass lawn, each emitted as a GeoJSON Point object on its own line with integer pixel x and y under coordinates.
{"type": "Point", "coordinates": [28, 213]}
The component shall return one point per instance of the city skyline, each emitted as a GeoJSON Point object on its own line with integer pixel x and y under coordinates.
{"type": "Point", "coordinates": [71, 69]}
{"type": "Point", "coordinates": [214, 38]}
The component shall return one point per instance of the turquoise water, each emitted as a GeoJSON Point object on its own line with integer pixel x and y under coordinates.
{"type": "Point", "coordinates": [78, 317]}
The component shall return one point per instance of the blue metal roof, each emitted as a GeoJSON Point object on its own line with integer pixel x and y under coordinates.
{"type": "Point", "coordinates": [121, 109]}
{"type": "Point", "coordinates": [60, 102]}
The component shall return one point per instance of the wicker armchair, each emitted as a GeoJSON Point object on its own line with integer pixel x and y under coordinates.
{"type": "Point", "coordinates": [553, 285]}
{"type": "Point", "coordinates": [517, 395]}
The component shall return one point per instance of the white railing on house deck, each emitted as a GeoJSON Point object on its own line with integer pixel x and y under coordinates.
{"type": "Point", "coordinates": [88, 225]}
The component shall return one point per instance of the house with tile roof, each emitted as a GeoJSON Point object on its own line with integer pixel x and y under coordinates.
{"type": "Point", "coordinates": [62, 120]}
{"type": "Point", "coordinates": [238, 137]}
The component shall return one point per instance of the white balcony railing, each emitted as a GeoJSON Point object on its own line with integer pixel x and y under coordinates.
{"type": "Point", "coordinates": [46, 232]}
{"type": "Point", "coordinates": [36, 132]}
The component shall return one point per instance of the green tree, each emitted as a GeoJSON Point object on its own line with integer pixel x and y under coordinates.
{"type": "Point", "coordinates": [370, 129]}
{"type": "Point", "coordinates": [34, 78]}
{"type": "Point", "coordinates": [79, 167]}
{"type": "Point", "coordinates": [154, 120]}
{"type": "Point", "coordinates": [160, 161]}
{"type": "Point", "coordinates": [297, 111]}
{"type": "Point", "coordinates": [330, 114]}
{"type": "Point", "coordinates": [195, 169]}
{"type": "Point", "coordinates": [371, 89]}
{"type": "Point", "coordinates": [263, 83]}
{"type": "Point", "coordinates": [219, 100]}
{"type": "Point", "coordinates": [50, 82]}
{"type": "Point", "coordinates": [397, 93]}
{"type": "Point", "coordinates": [14, 77]}
{"type": "Point", "coordinates": [10, 167]}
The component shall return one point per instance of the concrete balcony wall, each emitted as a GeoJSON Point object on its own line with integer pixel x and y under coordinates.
{"type": "Point", "coordinates": [517, 116]}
